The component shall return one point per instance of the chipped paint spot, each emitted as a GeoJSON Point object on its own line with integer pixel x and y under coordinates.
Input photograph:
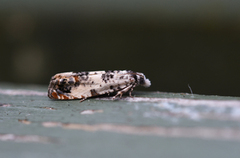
{"type": "Point", "coordinates": [25, 121]}
{"type": "Point", "coordinates": [91, 112]}
{"type": "Point", "coordinates": [4, 105]}
{"type": "Point", "coordinates": [49, 108]}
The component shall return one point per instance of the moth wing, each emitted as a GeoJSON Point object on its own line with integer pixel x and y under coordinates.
{"type": "Point", "coordinates": [97, 84]}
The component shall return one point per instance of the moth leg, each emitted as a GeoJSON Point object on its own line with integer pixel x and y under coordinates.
{"type": "Point", "coordinates": [121, 92]}
{"type": "Point", "coordinates": [82, 99]}
{"type": "Point", "coordinates": [130, 92]}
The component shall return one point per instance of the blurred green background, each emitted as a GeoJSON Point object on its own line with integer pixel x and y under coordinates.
{"type": "Point", "coordinates": [174, 43]}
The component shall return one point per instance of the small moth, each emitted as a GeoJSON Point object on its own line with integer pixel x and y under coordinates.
{"type": "Point", "coordinates": [83, 85]}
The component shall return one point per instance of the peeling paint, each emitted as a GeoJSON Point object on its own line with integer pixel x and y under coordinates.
{"type": "Point", "coordinates": [5, 105]}
{"type": "Point", "coordinates": [49, 108]}
{"type": "Point", "coordinates": [175, 132]}
{"type": "Point", "coordinates": [22, 92]}
{"type": "Point", "coordinates": [183, 102]}
{"type": "Point", "coordinates": [25, 121]}
{"type": "Point", "coordinates": [84, 112]}
{"type": "Point", "coordinates": [27, 138]}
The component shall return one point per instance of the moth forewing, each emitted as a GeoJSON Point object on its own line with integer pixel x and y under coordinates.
{"type": "Point", "coordinates": [82, 85]}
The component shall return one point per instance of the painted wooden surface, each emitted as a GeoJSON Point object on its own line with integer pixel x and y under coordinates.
{"type": "Point", "coordinates": [152, 124]}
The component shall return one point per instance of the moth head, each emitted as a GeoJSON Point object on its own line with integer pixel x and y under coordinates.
{"type": "Point", "coordinates": [147, 83]}
{"type": "Point", "coordinates": [143, 81]}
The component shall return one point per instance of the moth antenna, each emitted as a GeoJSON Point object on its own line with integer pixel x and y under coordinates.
{"type": "Point", "coordinates": [190, 89]}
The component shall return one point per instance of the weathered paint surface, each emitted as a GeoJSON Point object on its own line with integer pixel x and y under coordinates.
{"type": "Point", "coordinates": [152, 124]}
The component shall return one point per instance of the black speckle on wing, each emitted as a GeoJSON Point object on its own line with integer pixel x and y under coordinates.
{"type": "Point", "coordinates": [93, 92]}
{"type": "Point", "coordinates": [64, 89]}
{"type": "Point", "coordinates": [107, 76]}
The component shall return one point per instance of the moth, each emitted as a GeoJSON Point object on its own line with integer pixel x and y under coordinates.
{"type": "Point", "coordinates": [83, 85]}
